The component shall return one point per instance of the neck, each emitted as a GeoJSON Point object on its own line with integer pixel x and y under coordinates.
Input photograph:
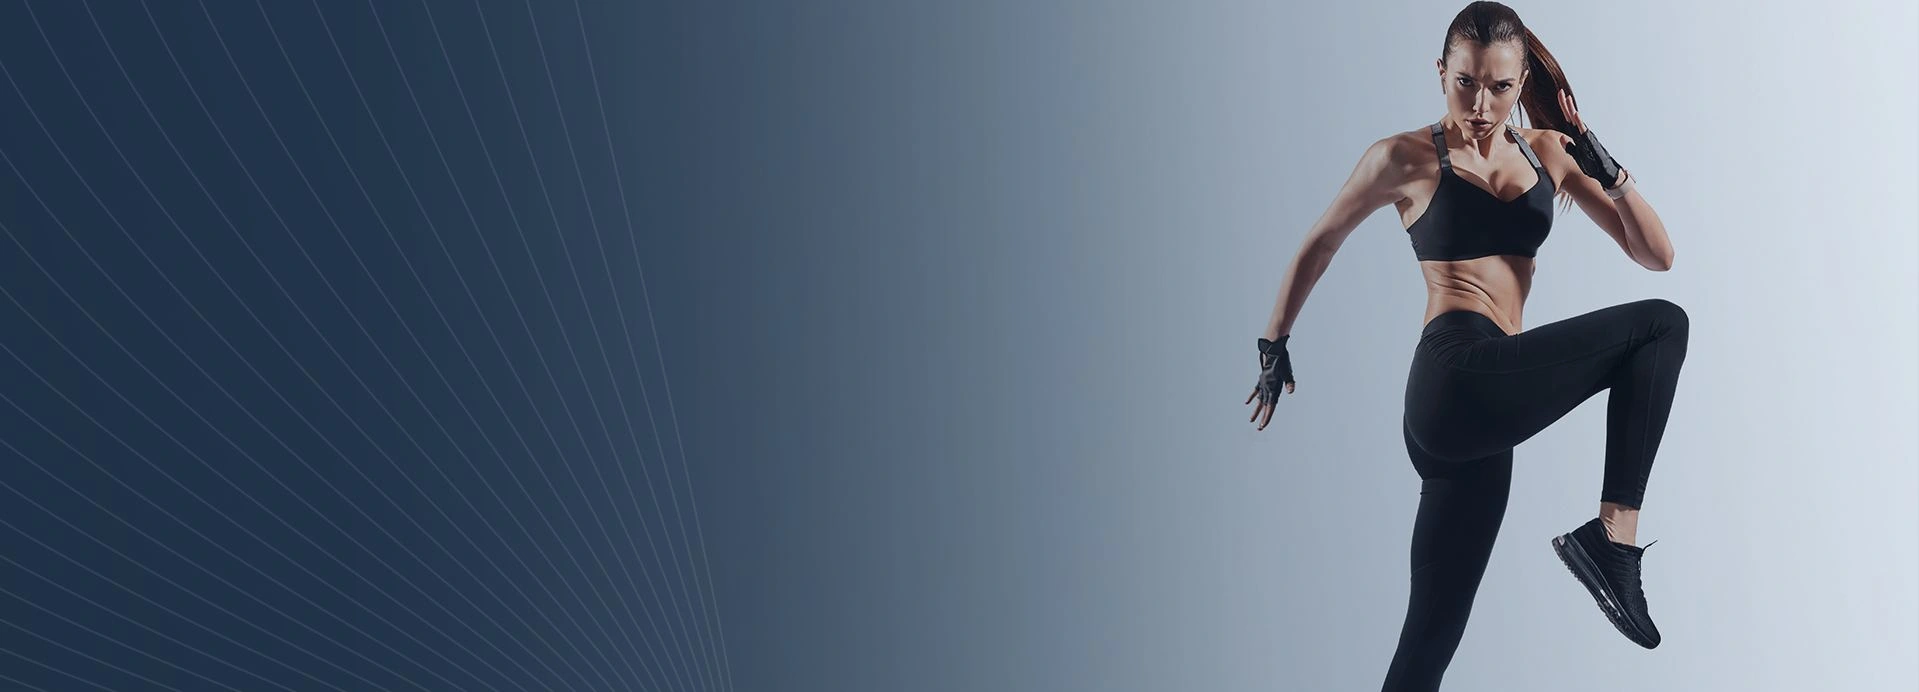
{"type": "Point", "coordinates": [1456, 131]}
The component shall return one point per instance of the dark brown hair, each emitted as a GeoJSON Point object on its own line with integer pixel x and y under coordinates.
{"type": "Point", "coordinates": [1487, 23]}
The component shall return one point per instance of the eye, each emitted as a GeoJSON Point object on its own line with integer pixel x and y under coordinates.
{"type": "Point", "coordinates": [1502, 87]}
{"type": "Point", "coordinates": [1465, 82]}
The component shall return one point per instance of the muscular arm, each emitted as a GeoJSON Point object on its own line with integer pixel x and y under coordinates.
{"type": "Point", "coordinates": [1630, 220]}
{"type": "Point", "coordinates": [1374, 183]}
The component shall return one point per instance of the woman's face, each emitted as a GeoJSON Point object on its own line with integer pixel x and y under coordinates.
{"type": "Point", "coordinates": [1482, 84]}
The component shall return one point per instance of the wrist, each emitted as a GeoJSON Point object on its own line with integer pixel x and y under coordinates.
{"type": "Point", "coordinates": [1618, 192]}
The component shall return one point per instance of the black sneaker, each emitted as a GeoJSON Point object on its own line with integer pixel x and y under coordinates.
{"type": "Point", "coordinates": [1611, 572]}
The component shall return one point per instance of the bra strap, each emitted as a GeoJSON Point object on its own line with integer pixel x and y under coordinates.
{"type": "Point", "coordinates": [1439, 143]}
{"type": "Point", "coordinates": [1445, 161]}
{"type": "Point", "coordinates": [1523, 147]}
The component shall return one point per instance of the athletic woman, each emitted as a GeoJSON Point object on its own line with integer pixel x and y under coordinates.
{"type": "Point", "coordinates": [1475, 195]}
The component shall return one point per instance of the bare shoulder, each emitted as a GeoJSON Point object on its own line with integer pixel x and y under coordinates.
{"type": "Point", "coordinates": [1409, 146]}
{"type": "Point", "coordinates": [1404, 155]}
{"type": "Point", "coordinates": [1546, 142]}
{"type": "Point", "coordinates": [1380, 177]}
{"type": "Point", "coordinates": [1544, 135]}
{"type": "Point", "coordinates": [1550, 145]}
{"type": "Point", "coordinates": [1392, 165]}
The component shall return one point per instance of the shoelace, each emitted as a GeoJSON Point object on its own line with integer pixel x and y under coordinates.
{"type": "Point", "coordinates": [1631, 577]}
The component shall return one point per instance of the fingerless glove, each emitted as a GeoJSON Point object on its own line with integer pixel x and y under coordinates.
{"type": "Point", "coordinates": [1275, 367]}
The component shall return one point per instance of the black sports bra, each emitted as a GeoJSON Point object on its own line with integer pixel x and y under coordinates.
{"type": "Point", "coordinates": [1464, 221]}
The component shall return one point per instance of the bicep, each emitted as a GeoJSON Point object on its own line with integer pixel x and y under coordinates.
{"type": "Point", "coordinates": [1374, 183]}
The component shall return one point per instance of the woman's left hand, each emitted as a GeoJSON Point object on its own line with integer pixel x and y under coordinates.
{"type": "Point", "coordinates": [1585, 148]}
{"type": "Point", "coordinates": [1571, 111]}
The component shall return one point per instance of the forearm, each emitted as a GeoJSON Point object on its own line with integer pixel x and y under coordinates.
{"type": "Point", "coordinates": [1645, 233]}
{"type": "Point", "coordinates": [1307, 266]}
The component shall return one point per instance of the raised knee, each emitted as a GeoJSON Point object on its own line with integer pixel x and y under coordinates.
{"type": "Point", "coordinates": [1667, 317]}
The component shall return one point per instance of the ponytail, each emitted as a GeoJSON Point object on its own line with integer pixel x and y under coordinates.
{"type": "Point", "coordinates": [1539, 99]}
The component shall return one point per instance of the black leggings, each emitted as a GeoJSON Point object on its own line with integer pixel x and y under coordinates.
{"type": "Point", "coordinates": [1474, 393]}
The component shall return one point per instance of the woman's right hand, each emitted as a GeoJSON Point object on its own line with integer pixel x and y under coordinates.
{"type": "Point", "coordinates": [1275, 370]}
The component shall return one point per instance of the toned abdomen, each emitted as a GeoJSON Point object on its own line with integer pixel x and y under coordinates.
{"type": "Point", "coordinates": [1493, 286]}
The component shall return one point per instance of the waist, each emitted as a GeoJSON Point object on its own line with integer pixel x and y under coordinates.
{"type": "Point", "coordinates": [1461, 322]}
{"type": "Point", "coordinates": [1449, 333]}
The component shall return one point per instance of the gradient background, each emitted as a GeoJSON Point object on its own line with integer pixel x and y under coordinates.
{"type": "Point", "coordinates": [898, 346]}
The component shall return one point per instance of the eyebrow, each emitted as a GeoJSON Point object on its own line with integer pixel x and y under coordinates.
{"type": "Point", "coordinates": [1507, 80]}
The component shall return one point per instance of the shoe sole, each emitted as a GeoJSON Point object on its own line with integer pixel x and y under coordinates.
{"type": "Point", "coordinates": [1586, 571]}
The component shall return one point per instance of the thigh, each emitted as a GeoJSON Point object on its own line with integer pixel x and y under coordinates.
{"type": "Point", "coordinates": [1584, 340]}
{"type": "Point", "coordinates": [1509, 388]}
{"type": "Point", "coordinates": [1461, 506]}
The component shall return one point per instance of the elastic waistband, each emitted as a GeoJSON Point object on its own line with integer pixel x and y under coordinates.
{"type": "Point", "coordinates": [1462, 320]}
